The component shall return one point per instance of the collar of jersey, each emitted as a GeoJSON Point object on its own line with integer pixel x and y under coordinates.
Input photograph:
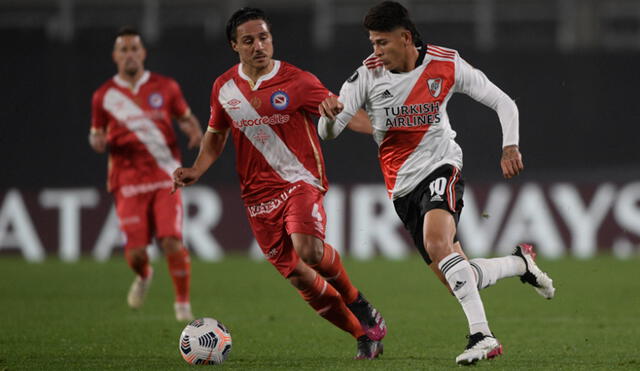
{"type": "Point", "coordinates": [125, 84]}
{"type": "Point", "coordinates": [274, 71]}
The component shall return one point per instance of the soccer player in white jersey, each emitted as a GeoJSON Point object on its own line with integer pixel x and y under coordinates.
{"type": "Point", "coordinates": [405, 86]}
{"type": "Point", "coordinates": [266, 105]}
{"type": "Point", "coordinates": [132, 115]}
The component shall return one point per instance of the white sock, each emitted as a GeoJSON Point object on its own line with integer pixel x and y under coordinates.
{"type": "Point", "coordinates": [459, 275]}
{"type": "Point", "coordinates": [489, 271]}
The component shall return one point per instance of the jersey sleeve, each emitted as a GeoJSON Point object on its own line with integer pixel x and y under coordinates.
{"type": "Point", "coordinates": [99, 117]}
{"type": "Point", "coordinates": [218, 121]}
{"type": "Point", "coordinates": [313, 92]}
{"type": "Point", "coordinates": [353, 96]}
{"type": "Point", "coordinates": [178, 105]}
{"type": "Point", "coordinates": [475, 84]}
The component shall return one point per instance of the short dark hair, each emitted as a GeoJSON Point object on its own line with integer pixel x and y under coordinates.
{"type": "Point", "coordinates": [241, 16]}
{"type": "Point", "coordinates": [389, 15]}
{"type": "Point", "coordinates": [128, 31]}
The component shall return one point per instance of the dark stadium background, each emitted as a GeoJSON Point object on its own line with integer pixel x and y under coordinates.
{"type": "Point", "coordinates": [571, 66]}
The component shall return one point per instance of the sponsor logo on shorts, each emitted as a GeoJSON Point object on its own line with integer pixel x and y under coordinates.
{"type": "Point", "coordinates": [269, 206]}
{"type": "Point", "coordinates": [272, 253]}
{"type": "Point", "coordinates": [436, 198]}
{"type": "Point", "coordinates": [279, 100]}
{"type": "Point", "coordinates": [136, 189]}
{"type": "Point", "coordinates": [130, 220]}
{"type": "Point", "coordinates": [156, 100]}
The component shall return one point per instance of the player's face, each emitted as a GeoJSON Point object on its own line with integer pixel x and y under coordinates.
{"type": "Point", "coordinates": [391, 47]}
{"type": "Point", "coordinates": [254, 44]}
{"type": "Point", "coordinates": [129, 54]}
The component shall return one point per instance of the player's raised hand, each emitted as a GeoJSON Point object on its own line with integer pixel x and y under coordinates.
{"type": "Point", "coordinates": [184, 176]}
{"type": "Point", "coordinates": [330, 107]}
{"type": "Point", "coordinates": [511, 161]}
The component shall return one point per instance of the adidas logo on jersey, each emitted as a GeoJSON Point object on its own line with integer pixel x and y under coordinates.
{"type": "Point", "coordinates": [387, 94]}
{"type": "Point", "coordinates": [436, 198]}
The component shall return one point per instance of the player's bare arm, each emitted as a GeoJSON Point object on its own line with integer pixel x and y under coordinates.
{"type": "Point", "coordinates": [511, 161]}
{"type": "Point", "coordinates": [190, 126]}
{"type": "Point", "coordinates": [210, 150]}
{"type": "Point", "coordinates": [98, 140]}
{"type": "Point", "coordinates": [360, 123]}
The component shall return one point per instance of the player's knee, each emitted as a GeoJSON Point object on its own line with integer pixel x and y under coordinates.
{"type": "Point", "coordinates": [311, 253]}
{"type": "Point", "coordinates": [170, 245]}
{"type": "Point", "coordinates": [136, 256]}
{"type": "Point", "coordinates": [438, 247]}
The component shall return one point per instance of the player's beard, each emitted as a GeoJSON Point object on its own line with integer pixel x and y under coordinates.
{"type": "Point", "coordinates": [131, 69]}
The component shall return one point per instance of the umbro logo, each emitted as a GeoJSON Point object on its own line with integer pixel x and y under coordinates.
{"type": "Point", "coordinates": [459, 285]}
{"type": "Point", "coordinates": [387, 94]}
{"type": "Point", "coordinates": [436, 198]}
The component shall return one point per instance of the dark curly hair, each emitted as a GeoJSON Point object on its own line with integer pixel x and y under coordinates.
{"type": "Point", "coordinates": [389, 15]}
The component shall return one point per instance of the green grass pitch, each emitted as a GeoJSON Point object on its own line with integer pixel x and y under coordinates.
{"type": "Point", "coordinates": [74, 317]}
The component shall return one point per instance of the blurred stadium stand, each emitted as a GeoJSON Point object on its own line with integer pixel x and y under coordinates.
{"type": "Point", "coordinates": [565, 24]}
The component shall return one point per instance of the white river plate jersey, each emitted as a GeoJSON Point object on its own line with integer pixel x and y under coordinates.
{"type": "Point", "coordinates": [409, 117]}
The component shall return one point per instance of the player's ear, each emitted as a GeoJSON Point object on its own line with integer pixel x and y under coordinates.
{"type": "Point", "coordinates": [407, 39]}
{"type": "Point", "coordinates": [234, 45]}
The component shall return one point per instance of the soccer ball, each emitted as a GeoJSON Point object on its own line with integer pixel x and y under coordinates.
{"type": "Point", "coordinates": [205, 341]}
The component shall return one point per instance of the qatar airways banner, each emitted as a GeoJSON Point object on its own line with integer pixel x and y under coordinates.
{"type": "Point", "coordinates": [561, 219]}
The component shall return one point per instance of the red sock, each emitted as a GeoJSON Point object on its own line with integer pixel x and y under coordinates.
{"type": "Point", "coordinates": [331, 268]}
{"type": "Point", "coordinates": [327, 302]}
{"type": "Point", "coordinates": [180, 271]}
{"type": "Point", "coordinates": [138, 261]}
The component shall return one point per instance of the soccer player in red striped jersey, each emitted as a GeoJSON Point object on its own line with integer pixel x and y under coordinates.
{"type": "Point", "coordinates": [266, 105]}
{"type": "Point", "coordinates": [405, 87]}
{"type": "Point", "coordinates": [132, 116]}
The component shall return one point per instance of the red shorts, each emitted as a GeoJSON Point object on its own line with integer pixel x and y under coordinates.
{"type": "Point", "coordinates": [156, 213]}
{"type": "Point", "coordinates": [296, 210]}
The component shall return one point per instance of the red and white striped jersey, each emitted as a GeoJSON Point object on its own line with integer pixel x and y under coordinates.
{"type": "Point", "coordinates": [408, 112]}
{"type": "Point", "coordinates": [143, 148]}
{"type": "Point", "coordinates": [275, 138]}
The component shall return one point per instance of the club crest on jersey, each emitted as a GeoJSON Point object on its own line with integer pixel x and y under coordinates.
{"type": "Point", "coordinates": [435, 86]}
{"type": "Point", "coordinates": [156, 100]}
{"type": "Point", "coordinates": [279, 100]}
{"type": "Point", "coordinates": [256, 102]}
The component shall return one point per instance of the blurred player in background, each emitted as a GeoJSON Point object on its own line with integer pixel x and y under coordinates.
{"type": "Point", "coordinates": [132, 117]}
{"type": "Point", "coordinates": [405, 87]}
{"type": "Point", "coordinates": [267, 106]}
